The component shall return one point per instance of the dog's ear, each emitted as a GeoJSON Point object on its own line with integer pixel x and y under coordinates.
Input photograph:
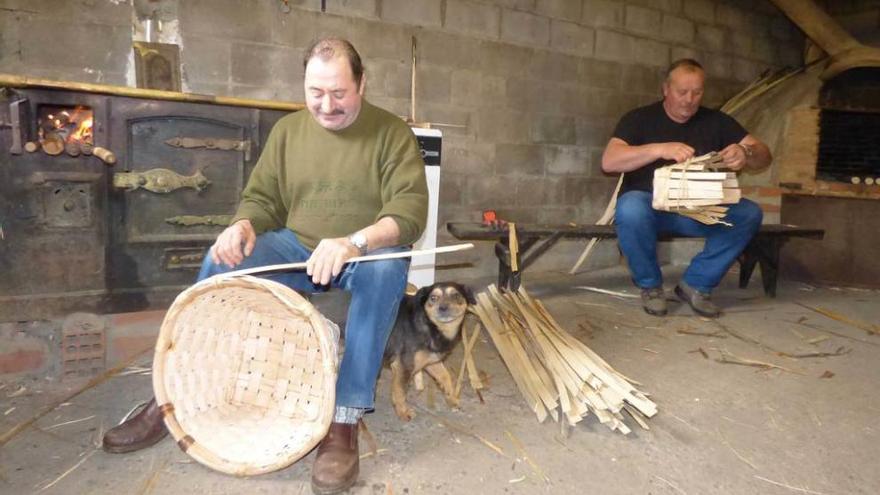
{"type": "Point", "coordinates": [423, 293]}
{"type": "Point", "coordinates": [467, 293]}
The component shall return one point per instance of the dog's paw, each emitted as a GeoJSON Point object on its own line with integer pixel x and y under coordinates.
{"type": "Point", "coordinates": [405, 413]}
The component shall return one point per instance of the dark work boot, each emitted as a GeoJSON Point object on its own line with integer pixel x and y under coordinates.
{"type": "Point", "coordinates": [144, 429]}
{"type": "Point", "coordinates": [654, 301]}
{"type": "Point", "coordinates": [336, 465]}
{"type": "Point", "coordinates": [700, 302]}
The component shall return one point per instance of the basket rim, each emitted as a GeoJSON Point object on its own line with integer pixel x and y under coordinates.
{"type": "Point", "coordinates": [164, 346]}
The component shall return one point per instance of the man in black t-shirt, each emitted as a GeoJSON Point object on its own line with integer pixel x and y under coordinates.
{"type": "Point", "coordinates": [669, 131]}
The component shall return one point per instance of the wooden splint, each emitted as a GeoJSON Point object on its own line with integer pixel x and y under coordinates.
{"type": "Point", "coordinates": [694, 188]}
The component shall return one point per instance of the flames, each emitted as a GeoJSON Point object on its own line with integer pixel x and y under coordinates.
{"type": "Point", "coordinates": [72, 125]}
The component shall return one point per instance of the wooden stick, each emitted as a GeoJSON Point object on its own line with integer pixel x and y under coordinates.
{"type": "Point", "coordinates": [607, 218]}
{"type": "Point", "coordinates": [871, 329]}
{"type": "Point", "coordinates": [370, 257]}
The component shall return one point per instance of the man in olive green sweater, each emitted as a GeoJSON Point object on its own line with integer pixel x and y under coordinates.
{"type": "Point", "coordinates": [338, 181]}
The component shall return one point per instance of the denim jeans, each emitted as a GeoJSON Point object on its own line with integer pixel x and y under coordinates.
{"type": "Point", "coordinates": [638, 226]}
{"type": "Point", "coordinates": [376, 290]}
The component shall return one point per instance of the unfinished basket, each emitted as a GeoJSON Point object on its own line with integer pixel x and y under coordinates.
{"type": "Point", "coordinates": [691, 188]}
{"type": "Point", "coordinates": [245, 374]}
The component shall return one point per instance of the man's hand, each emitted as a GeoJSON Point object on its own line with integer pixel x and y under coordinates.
{"type": "Point", "coordinates": [734, 157]}
{"type": "Point", "coordinates": [227, 249]}
{"type": "Point", "coordinates": [674, 151]}
{"type": "Point", "coordinates": [328, 259]}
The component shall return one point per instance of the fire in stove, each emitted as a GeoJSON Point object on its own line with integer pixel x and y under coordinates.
{"type": "Point", "coordinates": [65, 129]}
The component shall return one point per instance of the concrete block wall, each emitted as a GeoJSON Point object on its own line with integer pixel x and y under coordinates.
{"type": "Point", "coordinates": [529, 90]}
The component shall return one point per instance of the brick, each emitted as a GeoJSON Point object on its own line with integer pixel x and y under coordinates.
{"type": "Point", "coordinates": [424, 13]}
{"type": "Point", "coordinates": [519, 159]}
{"type": "Point", "coordinates": [602, 13]}
{"type": "Point", "coordinates": [265, 65]}
{"type": "Point", "coordinates": [677, 29]}
{"type": "Point", "coordinates": [566, 160]}
{"type": "Point", "coordinates": [554, 129]}
{"type": "Point", "coordinates": [206, 60]}
{"type": "Point", "coordinates": [711, 38]}
{"type": "Point", "coordinates": [642, 21]}
{"type": "Point", "coordinates": [664, 5]}
{"type": "Point", "coordinates": [599, 73]}
{"type": "Point", "coordinates": [525, 28]}
{"type": "Point", "coordinates": [229, 19]}
{"type": "Point", "coordinates": [22, 361]}
{"type": "Point", "coordinates": [650, 52]}
{"type": "Point", "coordinates": [478, 19]}
{"type": "Point", "coordinates": [560, 9]}
{"type": "Point", "coordinates": [613, 46]}
{"type": "Point", "coordinates": [572, 38]}
{"type": "Point", "coordinates": [702, 11]}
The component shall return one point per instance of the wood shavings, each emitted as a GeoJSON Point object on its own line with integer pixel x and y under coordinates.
{"type": "Point", "coordinates": [795, 488]}
{"type": "Point", "coordinates": [69, 422]}
{"type": "Point", "coordinates": [701, 351]}
{"type": "Point", "coordinates": [65, 473]}
{"type": "Point", "coordinates": [9, 411]}
{"type": "Point", "coordinates": [737, 454]}
{"type": "Point", "coordinates": [21, 390]}
{"type": "Point", "coordinates": [673, 485]}
{"type": "Point", "coordinates": [525, 455]}
{"type": "Point", "coordinates": [608, 292]}
{"type": "Point", "coordinates": [729, 358]}
{"type": "Point", "coordinates": [461, 429]}
{"type": "Point", "coordinates": [827, 374]}
{"type": "Point", "coordinates": [871, 329]}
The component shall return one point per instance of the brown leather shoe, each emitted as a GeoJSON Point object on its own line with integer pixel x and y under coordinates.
{"type": "Point", "coordinates": [336, 465]}
{"type": "Point", "coordinates": [141, 431]}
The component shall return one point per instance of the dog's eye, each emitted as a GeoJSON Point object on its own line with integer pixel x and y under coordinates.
{"type": "Point", "coordinates": [434, 298]}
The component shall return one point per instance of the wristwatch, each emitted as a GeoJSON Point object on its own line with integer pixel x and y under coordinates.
{"type": "Point", "coordinates": [359, 240]}
{"type": "Point", "coordinates": [746, 149]}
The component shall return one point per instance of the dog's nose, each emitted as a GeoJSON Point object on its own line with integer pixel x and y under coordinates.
{"type": "Point", "coordinates": [444, 307]}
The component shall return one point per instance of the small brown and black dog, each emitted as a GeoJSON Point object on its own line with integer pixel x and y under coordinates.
{"type": "Point", "coordinates": [428, 327]}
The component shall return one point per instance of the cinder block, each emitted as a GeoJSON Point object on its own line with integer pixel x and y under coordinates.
{"type": "Point", "coordinates": [781, 28]}
{"type": "Point", "coordinates": [265, 65]}
{"type": "Point", "coordinates": [677, 29]}
{"type": "Point", "coordinates": [614, 46]}
{"type": "Point", "coordinates": [108, 13]}
{"type": "Point", "coordinates": [650, 52]}
{"type": "Point", "coordinates": [525, 28]}
{"type": "Point", "coordinates": [643, 21]}
{"type": "Point", "coordinates": [672, 6]}
{"type": "Point", "coordinates": [533, 192]}
{"type": "Point", "coordinates": [533, 96]}
{"type": "Point", "coordinates": [702, 11]}
{"type": "Point", "coordinates": [602, 13]}
{"type": "Point", "coordinates": [469, 17]}
{"type": "Point", "coordinates": [373, 38]}
{"type": "Point", "coordinates": [745, 70]}
{"type": "Point", "coordinates": [387, 77]}
{"type": "Point", "coordinates": [451, 189]}
{"type": "Point", "coordinates": [718, 65]}
{"type": "Point", "coordinates": [599, 73]}
{"type": "Point", "coordinates": [567, 160]}
{"type": "Point", "coordinates": [454, 50]}
{"type": "Point", "coordinates": [432, 84]}
{"type": "Point", "coordinates": [77, 50]}
{"type": "Point", "coordinates": [465, 156]}
{"type": "Point", "coordinates": [560, 9]}
{"type": "Point", "coordinates": [424, 13]}
{"type": "Point", "coordinates": [293, 93]}
{"type": "Point", "coordinates": [642, 79]}
{"type": "Point", "coordinates": [732, 17]}
{"type": "Point", "coordinates": [442, 113]}
{"type": "Point", "coordinates": [357, 8]}
{"type": "Point", "coordinates": [229, 19]}
{"type": "Point", "coordinates": [473, 88]}
{"type": "Point", "coordinates": [710, 37]}
{"type": "Point", "coordinates": [527, 5]}
{"type": "Point", "coordinates": [489, 192]}
{"type": "Point", "coordinates": [764, 49]}
{"type": "Point", "coordinates": [739, 43]}
{"type": "Point", "coordinates": [206, 60]}
{"type": "Point", "coordinates": [557, 215]}
{"type": "Point", "coordinates": [595, 133]}
{"type": "Point", "coordinates": [519, 159]}
{"type": "Point", "coordinates": [502, 126]}
{"type": "Point", "coordinates": [572, 38]}
{"type": "Point", "coordinates": [556, 68]}
{"type": "Point", "coordinates": [554, 129]}
{"type": "Point", "coordinates": [680, 52]}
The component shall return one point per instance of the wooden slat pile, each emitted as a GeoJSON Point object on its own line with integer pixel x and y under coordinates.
{"type": "Point", "coordinates": [691, 188]}
{"type": "Point", "coordinates": [554, 371]}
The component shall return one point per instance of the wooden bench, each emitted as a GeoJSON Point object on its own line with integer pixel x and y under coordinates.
{"type": "Point", "coordinates": [762, 251]}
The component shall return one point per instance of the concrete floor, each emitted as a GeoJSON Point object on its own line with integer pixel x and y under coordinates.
{"type": "Point", "coordinates": [721, 428]}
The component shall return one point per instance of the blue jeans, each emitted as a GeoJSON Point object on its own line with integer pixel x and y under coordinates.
{"type": "Point", "coordinates": [376, 290]}
{"type": "Point", "coordinates": [638, 226]}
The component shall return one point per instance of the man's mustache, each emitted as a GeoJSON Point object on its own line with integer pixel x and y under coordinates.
{"type": "Point", "coordinates": [334, 112]}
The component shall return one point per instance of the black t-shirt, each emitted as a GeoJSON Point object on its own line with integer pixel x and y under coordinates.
{"type": "Point", "coordinates": [708, 130]}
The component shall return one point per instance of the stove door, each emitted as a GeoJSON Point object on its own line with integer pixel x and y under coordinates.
{"type": "Point", "coordinates": [178, 179]}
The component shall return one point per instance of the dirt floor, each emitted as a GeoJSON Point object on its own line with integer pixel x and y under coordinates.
{"type": "Point", "coordinates": [805, 426]}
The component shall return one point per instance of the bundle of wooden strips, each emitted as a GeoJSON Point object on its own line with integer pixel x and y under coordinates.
{"type": "Point", "coordinates": [554, 371]}
{"type": "Point", "coordinates": [691, 188]}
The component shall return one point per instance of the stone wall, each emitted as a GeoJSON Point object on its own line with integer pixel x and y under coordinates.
{"type": "Point", "coordinates": [529, 90]}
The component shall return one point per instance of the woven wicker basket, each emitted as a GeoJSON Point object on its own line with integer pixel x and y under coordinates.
{"type": "Point", "coordinates": [245, 373]}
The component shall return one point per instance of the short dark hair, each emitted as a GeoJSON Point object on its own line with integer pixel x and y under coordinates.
{"type": "Point", "coordinates": [688, 63]}
{"type": "Point", "coordinates": [327, 48]}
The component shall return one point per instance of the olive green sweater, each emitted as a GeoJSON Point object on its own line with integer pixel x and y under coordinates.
{"type": "Point", "coordinates": [325, 184]}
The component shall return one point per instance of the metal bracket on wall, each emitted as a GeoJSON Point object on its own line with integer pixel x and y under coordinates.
{"type": "Point", "coordinates": [159, 180]}
{"type": "Point", "coordinates": [212, 144]}
{"type": "Point", "coordinates": [15, 123]}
